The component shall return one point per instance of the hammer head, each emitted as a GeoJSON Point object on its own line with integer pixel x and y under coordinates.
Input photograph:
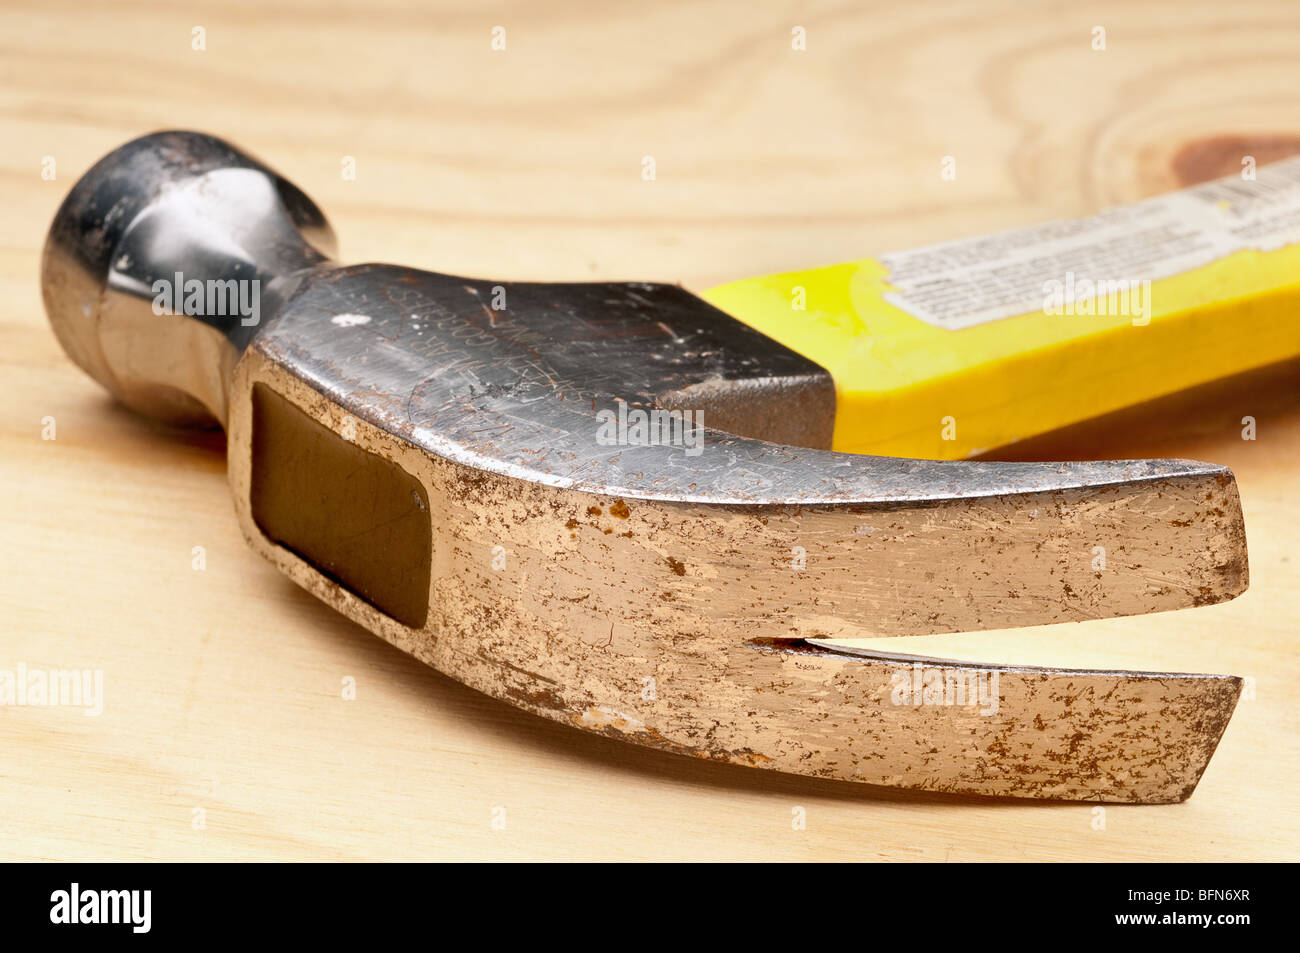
{"type": "Point", "coordinates": [554, 492]}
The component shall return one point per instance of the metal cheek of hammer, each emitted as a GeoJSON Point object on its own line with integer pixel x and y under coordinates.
{"type": "Point", "coordinates": [456, 465]}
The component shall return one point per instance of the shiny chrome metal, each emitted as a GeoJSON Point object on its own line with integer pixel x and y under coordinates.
{"type": "Point", "coordinates": [169, 203]}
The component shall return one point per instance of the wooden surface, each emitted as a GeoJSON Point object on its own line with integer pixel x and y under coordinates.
{"type": "Point", "coordinates": [223, 686]}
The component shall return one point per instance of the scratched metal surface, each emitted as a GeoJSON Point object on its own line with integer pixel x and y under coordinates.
{"type": "Point", "coordinates": [516, 392]}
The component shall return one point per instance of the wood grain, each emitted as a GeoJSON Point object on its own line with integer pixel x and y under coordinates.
{"type": "Point", "coordinates": [223, 686]}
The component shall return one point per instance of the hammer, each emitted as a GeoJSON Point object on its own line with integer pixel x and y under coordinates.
{"type": "Point", "coordinates": [612, 504]}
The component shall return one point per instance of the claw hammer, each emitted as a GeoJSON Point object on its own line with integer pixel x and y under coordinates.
{"type": "Point", "coordinates": [646, 515]}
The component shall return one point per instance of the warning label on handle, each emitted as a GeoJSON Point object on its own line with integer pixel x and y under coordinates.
{"type": "Point", "coordinates": [1102, 264]}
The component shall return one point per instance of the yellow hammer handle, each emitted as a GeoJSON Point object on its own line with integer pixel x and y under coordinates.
{"type": "Point", "coordinates": [950, 350]}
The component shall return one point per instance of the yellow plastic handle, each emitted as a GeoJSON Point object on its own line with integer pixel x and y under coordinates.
{"type": "Point", "coordinates": [914, 388]}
